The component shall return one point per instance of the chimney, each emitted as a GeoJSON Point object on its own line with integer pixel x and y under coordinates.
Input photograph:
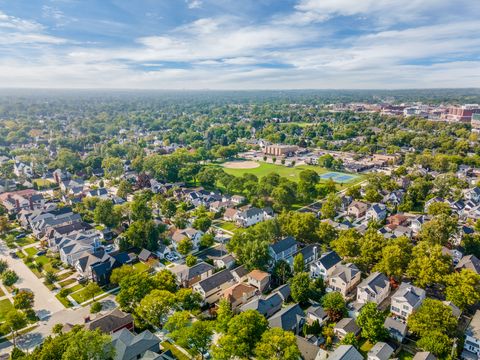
{"type": "Point", "coordinates": [315, 253]}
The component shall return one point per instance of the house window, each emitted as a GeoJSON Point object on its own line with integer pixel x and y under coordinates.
{"type": "Point", "coordinates": [406, 307]}
{"type": "Point", "coordinates": [395, 309]}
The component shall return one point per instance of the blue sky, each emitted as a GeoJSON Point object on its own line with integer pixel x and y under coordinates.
{"type": "Point", "coordinates": [239, 44]}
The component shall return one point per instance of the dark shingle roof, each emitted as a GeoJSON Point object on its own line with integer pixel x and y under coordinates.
{"type": "Point", "coordinates": [216, 280]}
{"type": "Point", "coordinates": [329, 259]}
{"type": "Point", "coordinates": [287, 318]}
{"type": "Point", "coordinates": [283, 245]}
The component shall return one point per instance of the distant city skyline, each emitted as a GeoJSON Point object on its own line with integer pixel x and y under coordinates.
{"type": "Point", "coordinates": [240, 44]}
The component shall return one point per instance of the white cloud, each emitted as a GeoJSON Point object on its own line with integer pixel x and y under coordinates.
{"type": "Point", "coordinates": [194, 4]}
{"type": "Point", "coordinates": [15, 23]}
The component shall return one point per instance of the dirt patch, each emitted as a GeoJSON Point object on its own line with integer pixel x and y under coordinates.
{"type": "Point", "coordinates": [241, 165]}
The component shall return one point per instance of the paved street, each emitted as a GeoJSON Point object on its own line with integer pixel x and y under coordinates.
{"type": "Point", "coordinates": [46, 303]}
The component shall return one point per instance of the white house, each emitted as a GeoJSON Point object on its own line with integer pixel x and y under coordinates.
{"type": "Point", "coordinates": [472, 336]}
{"type": "Point", "coordinates": [375, 288]}
{"type": "Point", "coordinates": [283, 250]}
{"type": "Point", "coordinates": [376, 212]}
{"type": "Point", "coordinates": [406, 299]}
{"type": "Point", "coordinates": [252, 216]}
{"type": "Point", "coordinates": [325, 265]}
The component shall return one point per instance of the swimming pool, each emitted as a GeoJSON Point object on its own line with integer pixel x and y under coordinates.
{"type": "Point", "coordinates": [338, 177]}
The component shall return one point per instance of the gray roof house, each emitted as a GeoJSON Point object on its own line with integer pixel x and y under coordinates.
{"type": "Point", "coordinates": [188, 276]}
{"type": "Point", "coordinates": [131, 347]}
{"type": "Point", "coordinates": [469, 262]}
{"type": "Point", "coordinates": [212, 288]}
{"type": "Point", "coordinates": [396, 329]}
{"type": "Point", "coordinates": [283, 250]}
{"type": "Point", "coordinates": [291, 318]}
{"type": "Point", "coordinates": [424, 355]}
{"type": "Point", "coordinates": [375, 288]}
{"type": "Point", "coordinates": [345, 352]}
{"type": "Point", "coordinates": [269, 305]}
{"type": "Point", "coordinates": [325, 265]}
{"type": "Point", "coordinates": [345, 326]}
{"type": "Point", "coordinates": [406, 299]}
{"type": "Point", "coordinates": [380, 351]}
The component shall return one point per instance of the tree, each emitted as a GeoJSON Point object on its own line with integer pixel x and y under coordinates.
{"type": "Point", "coordinates": [85, 345]}
{"type": "Point", "coordinates": [284, 195]}
{"type": "Point", "coordinates": [330, 206]}
{"type": "Point", "coordinates": [371, 245]}
{"type": "Point", "coordinates": [105, 213]}
{"type": "Point", "coordinates": [197, 337]}
{"type": "Point", "coordinates": [298, 263]}
{"type": "Point", "coordinates": [124, 189]}
{"type": "Point", "coordinates": [395, 257]}
{"type": "Point", "coordinates": [439, 230]}
{"type": "Point", "coordinates": [176, 322]}
{"type": "Point", "coordinates": [91, 290]}
{"type": "Point", "coordinates": [14, 321]}
{"type": "Point", "coordinates": [437, 343]}
{"type": "Point", "coordinates": [169, 209]}
{"type": "Point", "coordinates": [190, 260]}
{"type": "Point", "coordinates": [463, 288]}
{"type": "Point", "coordinates": [432, 315]}
{"type": "Point", "coordinates": [142, 234]}
{"type": "Point", "coordinates": [187, 299]}
{"type": "Point", "coordinates": [438, 208]}
{"type": "Point", "coordinates": [202, 223]}
{"type": "Point", "coordinates": [3, 266]}
{"type": "Point", "coordinates": [371, 321]}
{"type": "Point", "coordinates": [282, 272]}
{"type": "Point", "coordinates": [346, 245]}
{"type": "Point", "coordinates": [185, 246]}
{"type": "Point", "coordinates": [9, 277]}
{"type": "Point", "coordinates": [277, 343]}
{"type": "Point", "coordinates": [122, 272]}
{"type": "Point", "coordinates": [334, 305]}
{"type": "Point", "coordinates": [133, 289]}
{"type": "Point", "coordinates": [244, 331]}
{"type": "Point", "coordinates": [428, 265]}
{"type": "Point", "coordinates": [302, 226]}
{"type": "Point", "coordinates": [113, 167]}
{"type": "Point", "coordinates": [326, 233]}
{"type": "Point", "coordinates": [154, 307]}
{"type": "Point", "coordinates": [354, 192]}
{"type": "Point", "coordinates": [207, 240]}
{"type": "Point", "coordinates": [349, 339]}
{"type": "Point", "coordinates": [300, 287]}
{"type": "Point", "coordinates": [50, 277]}
{"type": "Point", "coordinates": [4, 224]}
{"type": "Point", "coordinates": [224, 315]}
{"type": "Point", "coordinates": [471, 243]}
{"type": "Point", "coordinates": [140, 209]}
{"type": "Point", "coordinates": [23, 300]}
{"type": "Point", "coordinates": [165, 280]}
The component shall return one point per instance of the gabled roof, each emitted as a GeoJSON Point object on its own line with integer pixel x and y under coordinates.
{"type": "Point", "coordinates": [287, 318]}
{"type": "Point", "coordinates": [111, 321]}
{"type": "Point", "coordinates": [345, 272]}
{"type": "Point", "coordinates": [381, 350]}
{"type": "Point", "coordinates": [469, 262]}
{"type": "Point", "coordinates": [348, 325]}
{"type": "Point", "coordinates": [409, 293]}
{"type": "Point", "coordinates": [375, 283]}
{"type": "Point", "coordinates": [283, 244]}
{"type": "Point", "coordinates": [216, 280]}
{"type": "Point", "coordinates": [329, 259]}
{"type": "Point", "coordinates": [185, 273]}
{"type": "Point", "coordinates": [129, 346]}
{"type": "Point", "coordinates": [345, 352]}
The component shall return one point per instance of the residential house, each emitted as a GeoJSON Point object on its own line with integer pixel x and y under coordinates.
{"type": "Point", "coordinates": [73, 247]}
{"type": "Point", "coordinates": [325, 265]}
{"type": "Point", "coordinates": [308, 350]}
{"type": "Point", "coordinates": [283, 250]}
{"type": "Point", "coordinates": [259, 279]}
{"type": "Point", "coordinates": [375, 288]}
{"type": "Point", "coordinates": [290, 318]}
{"type": "Point", "coordinates": [190, 233]}
{"type": "Point", "coordinates": [406, 299]}
{"type": "Point", "coordinates": [469, 262]}
{"type": "Point", "coordinates": [345, 326]}
{"type": "Point", "coordinates": [396, 329]}
{"type": "Point", "coordinates": [424, 355]}
{"type": "Point", "coordinates": [238, 199]}
{"type": "Point", "coordinates": [269, 305]}
{"type": "Point", "coordinates": [162, 251]}
{"type": "Point", "coordinates": [380, 351]}
{"type": "Point", "coordinates": [146, 255]}
{"type": "Point", "coordinates": [472, 336]}
{"type": "Point", "coordinates": [344, 278]}
{"type": "Point", "coordinates": [111, 322]}
{"type": "Point", "coordinates": [240, 273]}
{"type": "Point", "coordinates": [309, 254]}
{"type": "Point", "coordinates": [132, 347]}
{"type": "Point", "coordinates": [212, 288]}
{"type": "Point", "coordinates": [230, 214]}
{"type": "Point", "coordinates": [473, 194]}
{"type": "Point", "coordinates": [345, 352]}
{"type": "Point", "coordinates": [97, 265]}
{"type": "Point", "coordinates": [226, 261]}
{"type": "Point", "coordinates": [376, 212]}
{"type": "Point", "coordinates": [316, 313]}
{"type": "Point", "coordinates": [188, 276]}
{"type": "Point", "coordinates": [16, 201]}
{"type": "Point", "coordinates": [357, 209]}
{"type": "Point", "coordinates": [22, 170]}
{"type": "Point", "coordinates": [252, 216]}
{"type": "Point", "coordinates": [239, 294]}
{"type": "Point", "coordinates": [395, 197]}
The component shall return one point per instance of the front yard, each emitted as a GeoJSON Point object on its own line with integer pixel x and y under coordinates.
{"type": "Point", "coordinates": [5, 307]}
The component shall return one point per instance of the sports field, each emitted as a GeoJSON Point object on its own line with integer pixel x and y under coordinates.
{"type": "Point", "coordinates": [291, 172]}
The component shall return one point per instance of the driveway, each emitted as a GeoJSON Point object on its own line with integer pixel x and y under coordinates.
{"type": "Point", "coordinates": [46, 304]}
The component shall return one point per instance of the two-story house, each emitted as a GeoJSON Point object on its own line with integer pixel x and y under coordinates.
{"type": "Point", "coordinates": [325, 265]}
{"type": "Point", "coordinates": [357, 209]}
{"type": "Point", "coordinates": [212, 288]}
{"type": "Point", "coordinates": [377, 212]}
{"type": "Point", "coordinates": [344, 278]}
{"type": "Point", "coordinates": [188, 276]}
{"type": "Point", "coordinates": [283, 250]}
{"type": "Point", "coordinates": [406, 299]}
{"type": "Point", "coordinates": [375, 288]}
{"type": "Point", "coordinates": [472, 337]}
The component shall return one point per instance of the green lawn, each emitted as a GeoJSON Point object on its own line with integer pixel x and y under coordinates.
{"type": "Point", "coordinates": [31, 251]}
{"type": "Point", "coordinates": [5, 307]}
{"type": "Point", "coordinates": [177, 353]}
{"type": "Point", "coordinates": [140, 266]}
{"type": "Point", "coordinates": [42, 260]}
{"type": "Point", "coordinates": [27, 240]}
{"type": "Point", "coordinates": [43, 183]}
{"type": "Point", "coordinates": [66, 282]}
{"type": "Point", "coordinates": [64, 275]}
{"type": "Point", "coordinates": [227, 225]}
{"type": "Point", "coordinates": [65, 302]}
{"type": "Point", "coordinates": [365, 347]}
{"type": "Point", "coordinates": [76, 288]}
{"type": "Point", "coordinates": [20, 254]}
{"type": "Point", "coordinates": [81, 297]}
{"type": "Point", "coordinates": [291, 173]}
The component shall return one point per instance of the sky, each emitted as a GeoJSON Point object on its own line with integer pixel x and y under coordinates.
{"type": "Point", "coordinates": [239, 44]}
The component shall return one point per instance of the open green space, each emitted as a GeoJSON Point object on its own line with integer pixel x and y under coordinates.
{"type": "Point", "coordinates": [140, 266]}
{"type": "Point", "coordinates": [65, 302]}
{"type": "Point", "coordinates": [66, 282]}
{"type": "Point", "coordinates": [31, 251]}
{"type": "Point", "coordinates": [43, 183]}
{"type": "Point", "coordinates": [5, 307]}
{"type": "Point", "coordinates": [227, 225]}
{"type": "Point", "coordinates": [76, 288]}
{"type": "Point", "coordinates": [291, 173]}
{"type": "Point", "coordinates": [42, 260]}
{"type": "Point", "coordinates": [81, 296]}
{"type": "Point", "coordinates": [64, 275]}
{"type": "Point", "coordinates": [27, 240]}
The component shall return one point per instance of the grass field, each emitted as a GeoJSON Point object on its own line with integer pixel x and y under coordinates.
{"type": "Point", "coordinates": [291, 173]}
{"type": "Point", "coordinates": [141, 266]}
{"type": "Point", "coordinates": [43, 183]}
{"type": "Point", "coordinates": [177, 353]}
{"type": "Point", "coordinates": [5, 307]}
{"type": "Point", "coordinates": [229, 226]}
{"type": "Point", "coordinates": [81, 296]}
{"type": "Point", "coordinates": [31, 251]}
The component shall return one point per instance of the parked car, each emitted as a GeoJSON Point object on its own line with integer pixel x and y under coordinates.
{"type": "Point", "coordinates": [21, 235]}
{"type": "Point", "coordinates": [41, 252]}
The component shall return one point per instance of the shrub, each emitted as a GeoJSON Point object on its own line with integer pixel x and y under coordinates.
{"type": "Point", "coordinates": [96, 307]}
{"type": "Point", "coordinates": [9, 277]}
